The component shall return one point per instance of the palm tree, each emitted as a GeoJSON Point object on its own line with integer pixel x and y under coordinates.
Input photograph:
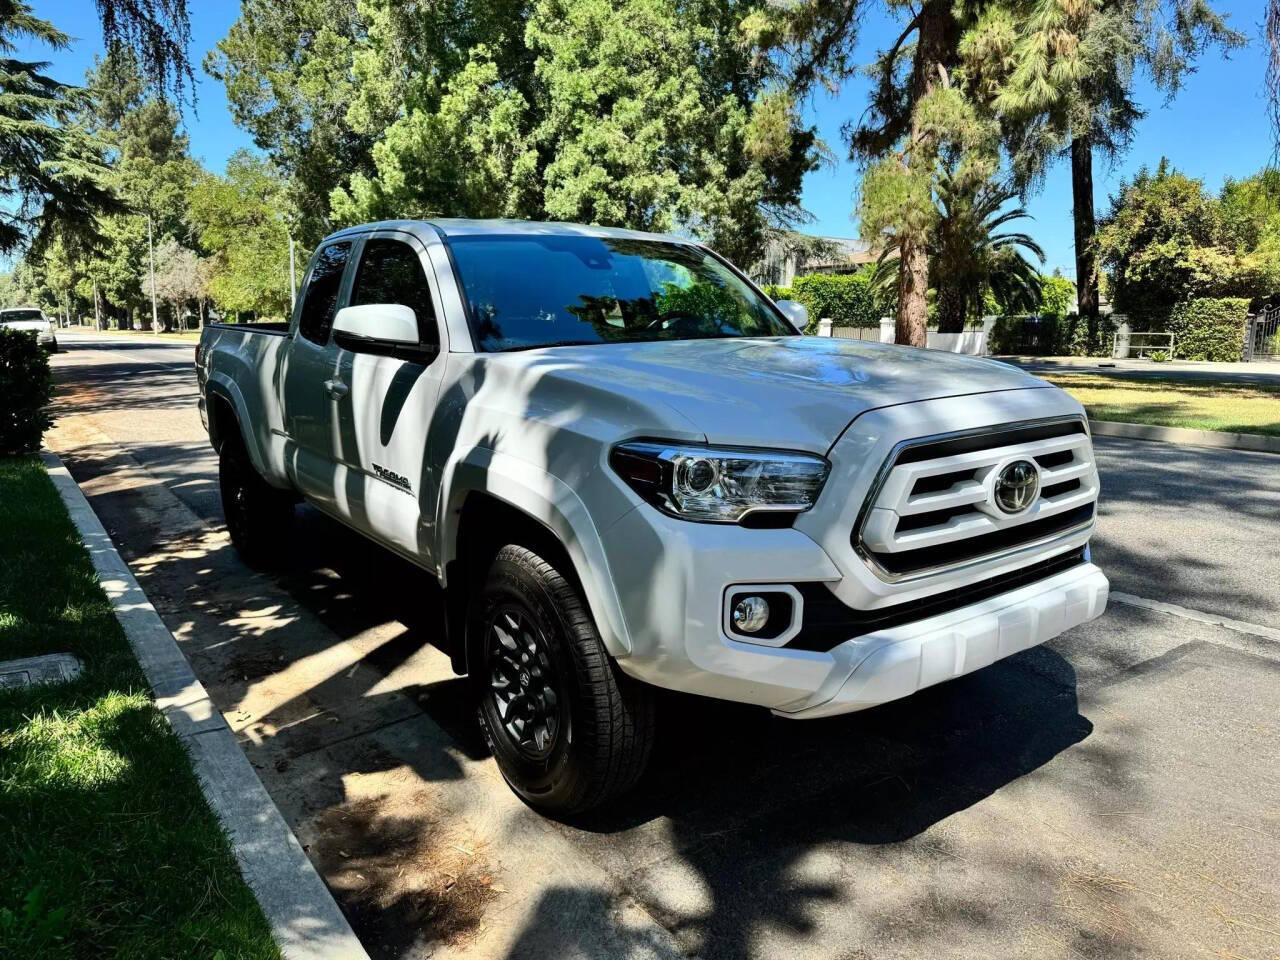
{"type": "Point", "coordinates": [971, 252]}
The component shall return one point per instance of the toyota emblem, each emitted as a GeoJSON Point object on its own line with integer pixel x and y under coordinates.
{"type": "Point", "coordinates": [1016, 486]}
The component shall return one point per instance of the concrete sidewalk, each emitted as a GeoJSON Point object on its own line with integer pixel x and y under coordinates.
{"type": "Point", "coordinates": [305, 921]}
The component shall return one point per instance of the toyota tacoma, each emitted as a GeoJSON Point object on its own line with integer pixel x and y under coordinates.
{"type": "Point", "coordinates": [628, 468]}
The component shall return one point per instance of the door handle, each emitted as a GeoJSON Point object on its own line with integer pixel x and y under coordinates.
{"type": "Point", "coordinates": [337, 389]}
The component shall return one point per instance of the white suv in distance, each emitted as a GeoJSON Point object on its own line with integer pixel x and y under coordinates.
{"type": "Point", "coordinates": [33, 319]}
{"type": "Point", "coordinates": [629, 469]}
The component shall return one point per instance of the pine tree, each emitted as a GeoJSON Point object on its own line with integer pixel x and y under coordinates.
{"type": "Point", "coordinates": [48, 167]}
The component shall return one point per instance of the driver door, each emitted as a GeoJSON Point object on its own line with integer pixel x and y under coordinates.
{"type": "Point", "coordinates": [383, 419]}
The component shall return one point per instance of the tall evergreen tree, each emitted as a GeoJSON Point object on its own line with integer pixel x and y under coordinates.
{"type": "Point", "coordinates": [641, 113]}
{"type": "Point", "coordinates": [918, 123]}
{"type": "Point", "coordinates": [1060, 75]}
{"type": "Point", "coordinates": [49, 171]}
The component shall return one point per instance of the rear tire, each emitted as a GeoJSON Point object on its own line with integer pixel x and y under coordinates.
{"type": "Point", "coordinates": [569, 731]}
{"type": "Point", "coordinates": [259, 517]}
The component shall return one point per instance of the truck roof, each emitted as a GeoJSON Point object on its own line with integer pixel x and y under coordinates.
{"type": "Point", "coordinates": [460, 227]}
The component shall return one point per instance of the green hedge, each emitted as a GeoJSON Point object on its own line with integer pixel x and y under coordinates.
{"type": "Point", "coordinates": [1209, 328]}
{"type": "Point", "coordinates": [26, 389]}
{"type": "Point", "coordinates": [1052, 336]}
{"type": "Point", "coordinates": [849, 300]}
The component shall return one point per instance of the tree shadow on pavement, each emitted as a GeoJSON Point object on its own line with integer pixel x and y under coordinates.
{"type": "Point", "coordinates": [744, 799]}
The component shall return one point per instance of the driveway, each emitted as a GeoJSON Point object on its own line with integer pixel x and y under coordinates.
{"type": "Point", "coordinates": [1115, 793]}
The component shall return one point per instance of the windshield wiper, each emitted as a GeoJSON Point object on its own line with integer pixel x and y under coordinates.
{"type": "Point", "coordinates": [553, 343]}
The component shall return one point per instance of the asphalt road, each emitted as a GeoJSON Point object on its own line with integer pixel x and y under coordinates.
{"type": "Point", "coordinates": [1115, 793]}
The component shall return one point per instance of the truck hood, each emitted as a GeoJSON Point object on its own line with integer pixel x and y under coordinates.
{"type": "Point", "coordinates": [793, 392]}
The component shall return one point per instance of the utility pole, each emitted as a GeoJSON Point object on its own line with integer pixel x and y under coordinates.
{"type": "Point", "coordinates": [151, 254]}
{"type": "Point", "coordinates": [293, 282]}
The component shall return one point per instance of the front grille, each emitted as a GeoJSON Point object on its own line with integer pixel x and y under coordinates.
{"type": "Point", "coordinates": [829, 623]}
{"type": "Point", "coordinates": [932, 507]}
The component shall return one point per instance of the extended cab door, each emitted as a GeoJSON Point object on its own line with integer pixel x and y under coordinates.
{"type": "Point", "coordinates": [309, 379]}
{"type": "Point", "coordinates": [385, 412]}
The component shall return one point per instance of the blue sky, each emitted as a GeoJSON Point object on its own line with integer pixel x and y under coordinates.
{"type": "Point", "coordinates": [1216, 127]}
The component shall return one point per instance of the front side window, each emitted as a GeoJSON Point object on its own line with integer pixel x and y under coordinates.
{"type": "Point", "coordinates": [527, 291]}
{"type": "Point", "coordinates": [321, 299]}
{"type": "Point", "coordinates": [390, 272]}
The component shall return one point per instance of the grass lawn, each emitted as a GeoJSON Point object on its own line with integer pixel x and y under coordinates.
{"type": "Point", "coordinates": [108, 847]}
{"type": "Point", "coordinates": [1200, 404]}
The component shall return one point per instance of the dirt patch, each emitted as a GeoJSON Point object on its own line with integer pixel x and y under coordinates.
{"type": "Point", "coordinates": [402, 876]}
{"type": "Point", "coordinates": [252, 666]}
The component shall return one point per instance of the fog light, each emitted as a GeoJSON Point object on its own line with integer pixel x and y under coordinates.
{"type": "Point", "coordinates": [750, 614]}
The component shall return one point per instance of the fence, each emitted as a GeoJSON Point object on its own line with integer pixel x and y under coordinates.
{"type": "Point", "coordinates": [972, 342]}
{"type": "Point", "coordinates": [856, 333]}
{"type": "Point", "coordinates": [1123, 345]}
{"type": "Point", "coordinates": [1262, 335]}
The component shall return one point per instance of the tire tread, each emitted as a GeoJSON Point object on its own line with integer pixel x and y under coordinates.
{"type": "Point", "coordinates": [620, 723]}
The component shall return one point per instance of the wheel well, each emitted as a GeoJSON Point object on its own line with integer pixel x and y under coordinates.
{"type": "Point", "coordinates": [487, 525]}
{"type": "Point", "coordinates": [224, 426]}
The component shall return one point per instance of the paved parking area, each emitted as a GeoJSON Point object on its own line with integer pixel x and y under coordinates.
{"type": "Point", "coordinates": [1113, 794]}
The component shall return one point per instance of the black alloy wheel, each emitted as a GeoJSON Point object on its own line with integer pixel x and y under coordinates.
{"type": "Point", "coordinates": [522, 683]}
{"type": "Point", "coordinates": [568, 729]}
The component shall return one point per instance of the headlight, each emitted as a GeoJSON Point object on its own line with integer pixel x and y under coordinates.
{"type": "Point", "coordinates": [719, 485]}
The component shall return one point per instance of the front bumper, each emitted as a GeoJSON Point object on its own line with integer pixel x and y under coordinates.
{"type": "Point", "coordinates": [696, 655]}
{"type": "Point", "coordinates": [896, 663]}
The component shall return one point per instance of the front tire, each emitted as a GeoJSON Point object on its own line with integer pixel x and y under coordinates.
{"type": "Point", "coordinates": [568, 729]}
{"type": "Point", "coordinates": [259, 517]}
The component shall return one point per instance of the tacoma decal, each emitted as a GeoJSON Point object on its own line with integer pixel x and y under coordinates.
{"type": "Point", "coordinates": [393, 478]}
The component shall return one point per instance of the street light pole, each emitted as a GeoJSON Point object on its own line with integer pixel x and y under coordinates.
{"type": "Point", "coordinates": [151, 254]}
{"type": "Point", "coordinates": [293, 282]}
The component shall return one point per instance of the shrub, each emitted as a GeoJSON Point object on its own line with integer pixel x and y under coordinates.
{"type": "Point", "coordinates": [848, 300]}
{"type": "Point", "coordinates": [1209, 328]}
{"type": "Point", "coordinates": [1159, 356]}
{"type": "Point", "coordinates": [26, 388]}
{"type": "Point", "coordinates": [1056, 294]}
{"type": "Point", "coordinates": [1051, 335]}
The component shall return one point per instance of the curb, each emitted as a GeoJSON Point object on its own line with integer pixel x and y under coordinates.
{"type": "Point", "coordinates": [1185, 436]}
{"type": "Point", "coordinates": [305, 921]}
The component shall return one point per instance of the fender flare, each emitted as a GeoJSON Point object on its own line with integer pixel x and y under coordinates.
{"type": "Point", "coordinates": [551, 502]}
{"type": "Point", "coordinates": [222, 386]}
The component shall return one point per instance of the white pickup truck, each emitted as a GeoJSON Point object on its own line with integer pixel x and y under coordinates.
{"type": "Point", "coordinates": [628, 469]}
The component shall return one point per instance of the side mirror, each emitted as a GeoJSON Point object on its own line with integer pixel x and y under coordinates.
{"type": "Point", "coordinates": [386, 323]}
{"type": "Point", "coordinates": [796, 313]}
{"type": "Point", "coordinates": [387, 329]}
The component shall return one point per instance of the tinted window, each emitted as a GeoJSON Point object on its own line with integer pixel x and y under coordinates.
{"type": "Point", "coordinates": [321, 300]}
{"type": "Point", "coordinates": [390, 272]}
{"type": "Point", "coordinates": [537, 291]}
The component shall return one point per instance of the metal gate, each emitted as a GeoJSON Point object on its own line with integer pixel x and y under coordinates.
{"type": "Point", "coordinates": [1262, 336]}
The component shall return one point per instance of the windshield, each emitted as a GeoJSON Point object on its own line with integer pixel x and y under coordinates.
{"type": "Point", "coordinates": [555, 290]}
{"type": "Point", "coordinates": [15, 316]}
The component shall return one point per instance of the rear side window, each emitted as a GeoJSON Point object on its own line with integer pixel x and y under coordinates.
{"type": "Point", "coordinates": [390, 272]}
{"type": "Point", "coordinates": [321, 300]}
